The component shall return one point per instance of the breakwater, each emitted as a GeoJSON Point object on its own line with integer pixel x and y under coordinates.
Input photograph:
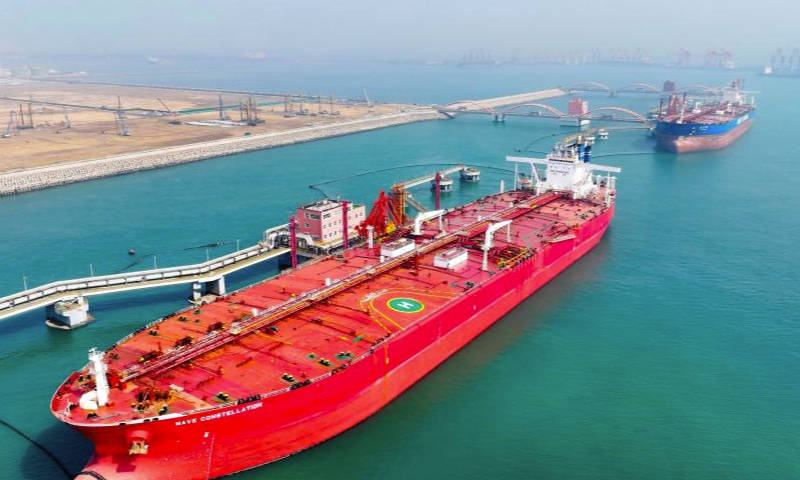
{"type": "Point", "coordinates": [38, 178]}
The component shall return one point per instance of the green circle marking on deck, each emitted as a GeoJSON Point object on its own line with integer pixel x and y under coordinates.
{"type": "Point", "coordinates": [405, 305]}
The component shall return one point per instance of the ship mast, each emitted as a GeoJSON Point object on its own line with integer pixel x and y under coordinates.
{"type": "Point", "coordinates": [99, 369]}
{"type": "Point", "coordinates": [683, 108]}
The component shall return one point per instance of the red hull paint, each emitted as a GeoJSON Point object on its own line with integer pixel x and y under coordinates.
{"type": "Point", "coordinates": [196, 447]}
{"type": "Point", "coordinates": [699, 143]}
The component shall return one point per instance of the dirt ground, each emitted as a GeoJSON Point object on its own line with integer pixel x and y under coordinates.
{"type": "Point", "coordinates": [95, 131]}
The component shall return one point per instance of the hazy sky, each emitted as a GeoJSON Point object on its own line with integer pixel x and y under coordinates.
{"type": "Point", "coordinates": [407, 28]}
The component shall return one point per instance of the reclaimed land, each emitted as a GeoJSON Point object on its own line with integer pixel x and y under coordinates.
{"type": "Point", "coordinates": [76, 122]}
{"type": "Point", "coordinates": [60, 174]}
{"type": "Point", "coordinates": [76, 135]}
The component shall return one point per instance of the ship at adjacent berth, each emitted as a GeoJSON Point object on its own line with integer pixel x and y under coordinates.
{"type": "Point", "coordinates": [287, 363]}
{"type": "Point", "coordinates": [697, 126]}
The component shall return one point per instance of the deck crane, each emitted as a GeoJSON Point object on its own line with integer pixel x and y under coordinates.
{"type": "Point", "coordinates": [382, 218]}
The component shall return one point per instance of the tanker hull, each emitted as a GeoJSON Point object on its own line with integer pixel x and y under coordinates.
{"type": "Point", "coordinates": [701, 142]}
{"type": "Point", "coordinates": [213, 444]}
{"type": "Point", "coordinates": [279, 366]}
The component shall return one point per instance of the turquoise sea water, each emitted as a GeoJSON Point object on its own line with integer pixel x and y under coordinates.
{"type": "Point", "coordinates": [670, 351]}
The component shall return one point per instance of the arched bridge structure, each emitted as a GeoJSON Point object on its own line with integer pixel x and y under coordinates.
{"type": "Point", "coordinates": [590, 87]}
{"type": "Point", "coordinates": [538, 110]}
{"type": "Point", "coordinates": [632, 116]}
{"type": "Point", "coordinates": [462, 105]}
{"type": "Point", "coordinates": [537, 107]}
{"type": "Point", "coordinates": [533, 110]}
{"type": "Point", "coordinates": [639, 88]}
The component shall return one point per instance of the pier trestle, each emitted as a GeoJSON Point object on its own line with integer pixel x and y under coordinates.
{"type": "Point", "coordinates": [208, 287]}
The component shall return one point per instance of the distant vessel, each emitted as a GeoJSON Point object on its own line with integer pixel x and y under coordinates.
{"type": "Point", "coordinates": [693, 127]}
{"type": "Point", "coordinates": [783, 65]}
{"type": "Point", "coordinates": [279, 366]}
{"type": "Point", "coordinates": [788, 71]}
{"type": "Point", "coordinates": [158, 61]}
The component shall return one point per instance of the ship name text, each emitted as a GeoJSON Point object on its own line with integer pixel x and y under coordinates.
{"type": "Point", "coordinates": [215, 416]}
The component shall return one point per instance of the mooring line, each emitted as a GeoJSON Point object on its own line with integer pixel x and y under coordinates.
{"type": "Point", "coordinates": [40, 447]}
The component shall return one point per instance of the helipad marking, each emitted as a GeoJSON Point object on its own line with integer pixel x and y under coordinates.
{"type": "Point", "coordinates": [405, 305]}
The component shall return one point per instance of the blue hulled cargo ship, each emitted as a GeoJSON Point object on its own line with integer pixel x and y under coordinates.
{"type": "Point", "coordinates": [697, 126]}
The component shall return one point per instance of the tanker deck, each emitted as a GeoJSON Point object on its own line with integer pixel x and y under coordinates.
{"type": "Point", "coordinates": [320, 337]}
{"type": "Point", "coordinates": [289, 362]}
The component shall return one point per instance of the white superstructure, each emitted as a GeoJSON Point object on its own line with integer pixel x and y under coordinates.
{"type": "Point", "coordinates": [568, 171]}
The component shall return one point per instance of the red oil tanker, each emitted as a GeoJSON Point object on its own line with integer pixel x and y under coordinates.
{"type": "Point", "coordinates": [287, 363]}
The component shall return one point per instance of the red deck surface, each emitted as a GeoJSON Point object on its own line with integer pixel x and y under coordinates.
{"type": "Point", "coordinates": [710, 114]}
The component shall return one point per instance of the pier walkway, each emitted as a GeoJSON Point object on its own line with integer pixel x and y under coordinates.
{"type": "Point", "coordinates": [208, 277]}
